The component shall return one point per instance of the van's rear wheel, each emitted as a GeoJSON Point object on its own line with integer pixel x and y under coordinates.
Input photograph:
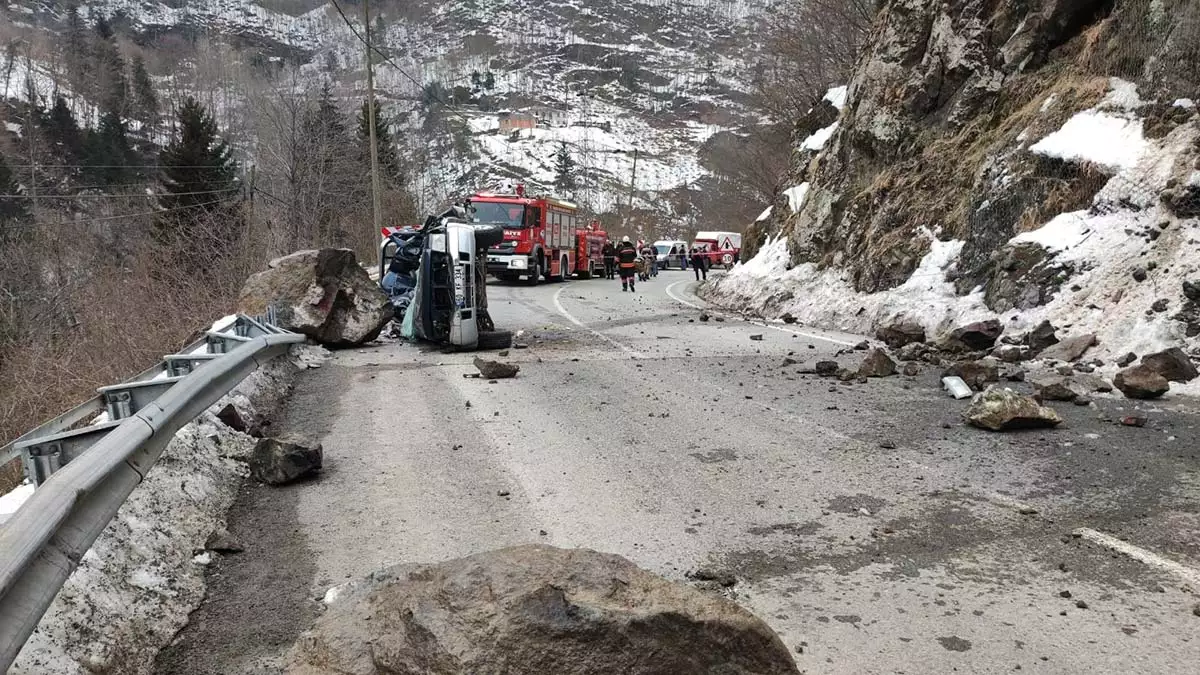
{"type": "Point", "coordinates": [495, 339]}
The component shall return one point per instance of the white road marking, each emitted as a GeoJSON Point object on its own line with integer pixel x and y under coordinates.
{"type": "Point", "coordinates": [1188, 574]}
{"type": "Point", "coordinates": [563, 310]}
{"type": "Point", "coordinates": [811, 336]}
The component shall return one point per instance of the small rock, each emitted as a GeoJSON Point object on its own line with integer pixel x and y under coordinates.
{"type": "Point", "coordinates": [887, 445]}
{"type": "Point", "coordinates": [846, 375]}
{"type": "Point", "coordinates": [1065, 371]}
{"type": "Point", "coordinates": [223, 542]}
{"type": "Point", "coordinates": [1082, 367]}
{"type": "Point", "coordinates": [912, 369]}
{"type": "Point", "coordinates": [502, 353]}
{"type": "Point", "coordinates": [723, 577]}
{"type": "Point", "coordinates": [912, 351]}
{"type": "Point", "coordinates": [719, 319]}
{"type": "Point", "coordinates": [787, 318]}
{"type": "Point", "coordinates": [1191, 290]}
{"type": "Point", "coordinates": [1139, 274]}
{"type": "Point", "coordinates": [877, 364]}
{"type": "Point", "coordinates": [1014, 375]}
{"type": "Point", "coordinates": [1173, 364]}
{"type": "Point", "coordinates": [975, 373]}
{"type": "Point", "coordinates": [1070, 349]}
{"type": "Point", "coordinates": [1027, 511]}
{"type": "Point", "coordinates": [901, 333]}
{"type": "Point", "coordinates": [1196, 610]}
{"type": "Point", "coordinates": [862, 346]}
{"type": "Point", "coordinates": [1057, 389]}
{"type": "Point", "coordinates": [1081, 604]}
{"type": "Point", "coordinates": [1160, 305]}
{"type": "Point", "coordinates": [704, 316]}
{"type": "Point", "coordinates": [1082, 401]}
{"type": "Point", "coordinates": [232, 418]}
{"type": "Point", "coordinates": [1141, 382]}
{"type": "Point", "coordinates": [1041, 337]}
{"type": "Point", "coordinates": [503, 493]}
{"type": "Point", "coordinates": [279, 461]}
{"type": "Point", "coordinates": [757, 337]}
{"type": "Point", "coordinates": [827, 368]}
{"type": "Point", "coordinates": [1064, 594]}
{"type": "Point", "coordinates": [977, 336]}
{"type": "Point", "coordinates": [1133, 421]}
{"type": "Point", "coordinates": [788, 361]}
{"type": "Point", "coordinates": [999, 409]}
{"type": "Point", "coordinates": [1012, 353]}
{"type": "Point", "coordinates": [494, 370]}
{"type": "Point", "coordinates": [1129, 358]}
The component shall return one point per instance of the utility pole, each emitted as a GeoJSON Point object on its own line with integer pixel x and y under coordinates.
{"type": "Point", "coordinates": [376, 209]}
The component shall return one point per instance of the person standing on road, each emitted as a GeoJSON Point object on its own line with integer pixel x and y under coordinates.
{"type": "Point", "coordinates": [627, 264]}
{"type": "Point", "coordinates": [700, 263]}
{"type": "Point", "coordinates": [610, 258]}
{"type": "Point", "coordinates": [683, 258]}
{"type": "Point", "coordinates": [651, 258]}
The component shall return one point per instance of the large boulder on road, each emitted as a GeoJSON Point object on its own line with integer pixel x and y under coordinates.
{"type": "Point", "coordinates": [323, 294]}
{"type": "Point", "coordinates": [901, 332]}
{"type": "Point", "coordinates": [1004, 409]}
{"type": "Point", "coordinates": [1141, 381]}
{"type": "Point", "coordinates": [279, 461]}
{"type": "Point", "coordinates": [977, 336]}
{"type": "Point", "coordinates": [533, 610]}
{"type": "Point", "coordinates": [1173, 364]}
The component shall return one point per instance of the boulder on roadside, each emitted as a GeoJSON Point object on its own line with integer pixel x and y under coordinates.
{"type": "Point", "coordinates": [977, 336]}
{"type": "Point", "coordinates": [1127, 359]}
{"type": "Point", "coordinates": [495, 370]}
{"type": "Point", "coordinates": [901, 332]}
{"type": "Point", "coordinates": [534, 610]}
{"type": "Point", "coordinates": [1141, 381]}
{"type": "Point", "coordinates": [1056, 389]}
{"type": "Point", "coordinates": [221, 541]}
{"type": "Point", "coordinates": [233, 418]}
{"type": "Point", "coordinates": [912, 351]}
{"type": "Point", "coordinates": [827, 368]}
{"type": "Point", "coordinates": [323, 294]}
{"type": "Point", "coordinates": [1041, 337]}
{"type": "Point", "coordinates": [877, 364]}
{"type": "Point", "coordinates": [1172, 364]}
{"type": "Point", "coordinates": [283, 460]}
{"type": "Point", "coordinates": [977, 374]}
{"type": "Point", "coordinates": [1002, 409]}
{"type": "Point", "coordinates": [1069, 349]}
{"type": "Point", "coordinates": [1012, 353]}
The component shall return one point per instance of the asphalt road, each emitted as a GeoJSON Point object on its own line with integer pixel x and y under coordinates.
{"type": "Point", "coordinates": [871, 529]}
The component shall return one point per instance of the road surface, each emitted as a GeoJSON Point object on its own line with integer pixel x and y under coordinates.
{"type": "Point", "coordinates": [871, 529]}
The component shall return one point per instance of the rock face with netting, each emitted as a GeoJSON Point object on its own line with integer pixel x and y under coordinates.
{"type": "Point", "coordinates": [324, 294]}
{"type": "Point", "coordinates": [534, 610]}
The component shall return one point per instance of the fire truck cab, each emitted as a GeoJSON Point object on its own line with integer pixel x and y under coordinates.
{"type": "Point", "coordinates": [539, 235]}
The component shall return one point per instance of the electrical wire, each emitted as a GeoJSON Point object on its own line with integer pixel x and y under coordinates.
{"type": "Point", "coordinates": [388, 59]}
{"type": "Point", "coordinates": [125, 216]}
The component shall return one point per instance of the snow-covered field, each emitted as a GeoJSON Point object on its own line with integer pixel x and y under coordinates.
{"type": "Point", "coordinates": [1104, 243]}
{"type": "Point", "coordinates": [145, 574]}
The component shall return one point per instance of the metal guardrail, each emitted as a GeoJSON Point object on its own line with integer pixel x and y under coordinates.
{"type": "Point", "coordinates": [86, 472]}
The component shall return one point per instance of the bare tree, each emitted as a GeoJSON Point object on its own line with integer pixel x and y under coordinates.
{"type": "Point", "coordinates": [811, 45]}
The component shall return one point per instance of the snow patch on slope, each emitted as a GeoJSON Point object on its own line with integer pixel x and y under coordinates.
{"type": "Point", "coordinates": [1098, 137]}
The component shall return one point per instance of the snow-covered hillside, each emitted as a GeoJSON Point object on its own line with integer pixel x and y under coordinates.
{"type": "Point", "coordinates": [606, 78]}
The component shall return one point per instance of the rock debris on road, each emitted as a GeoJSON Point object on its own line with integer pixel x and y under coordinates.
{"type": "Point", "coordinates": [862, 520]}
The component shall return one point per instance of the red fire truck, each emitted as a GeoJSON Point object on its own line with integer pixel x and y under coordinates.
{"type": "Point", "coordinates": [543, 237]}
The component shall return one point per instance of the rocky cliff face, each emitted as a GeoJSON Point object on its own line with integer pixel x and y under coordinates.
{"type": "Point", "coordinates": [973, 126]}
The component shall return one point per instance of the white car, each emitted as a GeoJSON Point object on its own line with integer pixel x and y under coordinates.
{"type": "Point", "coordinates": [662, 249]}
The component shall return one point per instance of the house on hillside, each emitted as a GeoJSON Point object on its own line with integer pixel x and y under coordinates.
{"type": "Point", "coordinates": [550, 117]}
{"type": "Point", "coordinates": [513, 121]}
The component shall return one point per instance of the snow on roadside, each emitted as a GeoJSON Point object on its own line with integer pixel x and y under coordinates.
{"type": "Point", "coordinates": [10, 502]}
{"type": "Point", "coordinates": [136, 586]}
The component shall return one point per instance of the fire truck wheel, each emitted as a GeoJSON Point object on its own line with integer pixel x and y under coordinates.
{"type": "Point", "coordinates": [564, 269]}
{"type": "Point", "coordinates": [495, 339]}
{"type": "Point", "coordinates": [535, 277]}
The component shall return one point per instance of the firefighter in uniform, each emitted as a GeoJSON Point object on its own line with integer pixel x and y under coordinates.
{"type": "Point", "coordinates": [627, 264]}
{"type": "Point", "coordinates": [610, 259]}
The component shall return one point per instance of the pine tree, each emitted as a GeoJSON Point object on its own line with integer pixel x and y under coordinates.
{"type": "Point", "coordinates": [12, 208]}
{"type": "Point", "coordinates": [109, 157]}
{"type": "Point", "coordinates": [79, 65]}
{"type": "Point", "coordinates": [199, 174]}
{"type": "Point", "coordinates": [564, 170]}
{"type": "Point", "coordinates": [63, 130]}
{"type": "Point", "coordinates": [145, 99]}
{"type": "Point", "coordinates": [112, 87]}
{"type": "Point", "coordinates": [389, 160]}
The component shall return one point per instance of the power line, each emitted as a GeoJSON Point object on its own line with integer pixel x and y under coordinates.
{"type": "Point", "coordinates": [126, 216]}
{"type": "Point", "coordinates": [388, 59]}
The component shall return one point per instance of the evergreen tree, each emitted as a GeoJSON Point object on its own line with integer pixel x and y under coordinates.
{"type": "Point", "coordinates": [109, 157]}
{"type": "Point", "coordinates": [489, 80]}
{"type": "Point", "coordinates": [63, 130]}
{"type": "Point", "coordinates": [199, 174]}
{"type": "Point", "coordinates": [79, 66]}
{"type": "Point", "coordinates": [111, 85]}
{"type": "Point", "coordinates": [13, 206]}
{"type": "Point", "coordinates": [145, 99]}
{"type": "Point", "coordinates": [564, 170]}
{"type": "Point", "coordinates": [390, 168]}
